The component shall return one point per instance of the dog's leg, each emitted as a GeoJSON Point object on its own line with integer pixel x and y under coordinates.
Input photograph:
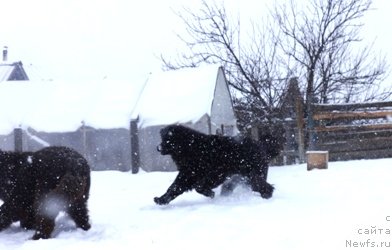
{"type": "Point", "coordinates": [27, 219]}
{"type": "Point", "coordinates": [259, 184]}
{"type": "Point", "coordinates": [181, 184]}
{"type": "Point", "coordinates": [79, 213]}
{"type": "Point", "coordinates": [47, 208]}
{"type": "Point", "coordinates": [264, 170]}
{"type": "Point", "coordinates": [5, 216]}
{"type": "Point", "coordinates": [265, 189]}
{"type": "Point", "coordinates": [210, 182]}
{"type": "Point", "coordinates": [205, 190]}
{"type": "Point", "coordinates": [44, 228]}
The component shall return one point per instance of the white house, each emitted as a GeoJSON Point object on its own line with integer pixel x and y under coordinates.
{"type": "Point", "coordinates": [91, 117]}
{"type": "Point", "coordinates": [197, 97]}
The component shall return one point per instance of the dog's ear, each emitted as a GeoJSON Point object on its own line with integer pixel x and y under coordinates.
{"type": "Point", "coordinates": [24, 160]}
{"type": "Point", "coordinates": [166, 131]}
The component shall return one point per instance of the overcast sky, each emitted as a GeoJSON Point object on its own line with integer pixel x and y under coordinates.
{"type": "Point", "coordinates": [119, 39]}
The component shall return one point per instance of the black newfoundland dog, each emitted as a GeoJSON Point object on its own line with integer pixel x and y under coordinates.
{"type": "Point", "coordinates": [206, 161]}
{"type": "Point", "coordinates": [35, 187]}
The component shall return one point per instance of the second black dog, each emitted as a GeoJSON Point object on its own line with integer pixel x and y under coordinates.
{"type": "Point", "coordinates": [35, 187]}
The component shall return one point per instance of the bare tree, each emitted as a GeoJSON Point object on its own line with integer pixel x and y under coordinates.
{"type": "Point", "coordinates": [251, 68]}
{"type": "Point", "coordinates": [323, 38]}
{"type": "Point", "coordinates": [318, 43]}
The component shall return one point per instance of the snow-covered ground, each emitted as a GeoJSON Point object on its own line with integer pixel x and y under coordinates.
{"type": "Point", "coordinates": [347, 206]}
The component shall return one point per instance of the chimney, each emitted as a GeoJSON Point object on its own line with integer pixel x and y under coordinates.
{"type": "Point", "coordinates": [5, 53]}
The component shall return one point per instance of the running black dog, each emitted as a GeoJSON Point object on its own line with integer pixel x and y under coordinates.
{"type": "Point", "coordinates": [206, 161]}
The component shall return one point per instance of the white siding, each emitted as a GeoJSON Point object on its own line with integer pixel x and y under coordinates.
{"type": "Point", "coordinates": [222, 112]}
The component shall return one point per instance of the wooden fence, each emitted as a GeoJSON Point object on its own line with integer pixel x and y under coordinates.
{"type": "Point", "coordinates": [346, 131]}
{"type": "Point", "coordinates": [353, 131]}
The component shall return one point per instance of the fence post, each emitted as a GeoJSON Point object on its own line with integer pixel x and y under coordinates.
{"type": "Point", "coordinates": [310, 127]}
{"type": "Point", "coordinates": [293, 108]}
{"type": "Point", "coordinates": [18, 139]}
{"type": "Point", "coordinates": [299, 110]}
{"type": "Point", "coordinates": [135, 152]}
{"type": "Point", "coordinates": [84, 139]}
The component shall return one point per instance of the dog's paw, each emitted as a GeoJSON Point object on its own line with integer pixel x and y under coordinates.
{"type": "Point", "coordinates": [160, 201]}
{"type": "Point", "coordinates": [206, 192]}
{"type": "Point", "coordinates": [267, 191]}
{"type": "Point", "coordinates": [40, 235]}
{"type": "Point", "coordinates": [210, 194]}
{"type": "Point", "coordinates": [266, 195]}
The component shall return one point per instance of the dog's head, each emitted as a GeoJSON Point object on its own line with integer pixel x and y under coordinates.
{"type": "Point", "coordinates": [168, 144]}
{"type": "Point", "coordinates": [177, 139]}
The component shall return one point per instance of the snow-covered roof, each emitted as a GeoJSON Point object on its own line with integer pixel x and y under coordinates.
{"type": "Point", "coordinates": [5, 71]}
{"type": "Point", "coordinates": [63, 106]}
{"type": "Point", "coordinates": [55, 106]}
{"type": "Point", "coordinates": [12, 71]}
{"type": "Point", "coordinates": [183, 95]}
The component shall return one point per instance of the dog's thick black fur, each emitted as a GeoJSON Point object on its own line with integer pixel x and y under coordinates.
{"type": "Point", "coordinates": [206, 161]}
{"type": "Point", "coordinates": [35, 187]}
{"type": "Point", "coordinates": [274, 144]}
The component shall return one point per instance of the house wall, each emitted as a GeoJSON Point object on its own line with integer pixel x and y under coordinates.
{"type": "Point", "coordinates": [104, 149]}
{"type": "Point", "coordinates": [222, 111]}
{"type": "Point", "coordinates": [7, 142]}
{"type": "Point", "coordinates": [150, 159]}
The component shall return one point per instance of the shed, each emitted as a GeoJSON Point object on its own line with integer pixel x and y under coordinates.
{"type": "Point", "coordinates": [196, 97]}
{"type": "Point", "coordinates": [91, 117]}
{"type": "Point", "coordinates": [11, 71]}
